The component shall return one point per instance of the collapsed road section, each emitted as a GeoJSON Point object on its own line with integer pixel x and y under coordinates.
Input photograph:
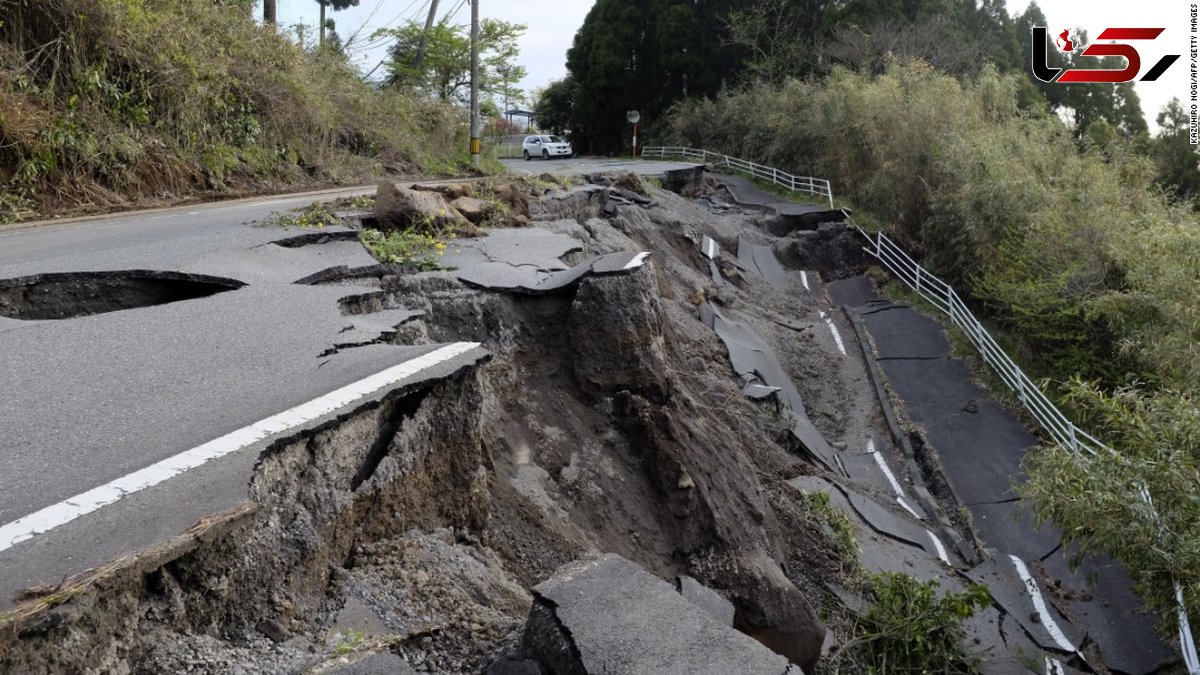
{"type": "Point", "coordinates": [619, 429]}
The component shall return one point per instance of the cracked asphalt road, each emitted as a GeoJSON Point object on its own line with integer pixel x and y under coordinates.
{"type": "Point", "coordinates": [980, 444]}
{"type": "Point", "coordinates": [98, 403]}
{"type": "Point", "coordinates": [92, 399]}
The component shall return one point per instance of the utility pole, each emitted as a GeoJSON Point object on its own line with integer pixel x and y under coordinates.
{"type": "Point", "coordinates": [321, 40]}
{"type": "Point", "coordinates": [476, 143]}
{"type": "Point", "coordinates": [269, 12]}
{"type": "Point", "coordinates": [425, 36]}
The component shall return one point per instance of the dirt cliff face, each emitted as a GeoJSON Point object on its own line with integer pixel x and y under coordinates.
{"type": "Point", "coordinates": [608, 420]}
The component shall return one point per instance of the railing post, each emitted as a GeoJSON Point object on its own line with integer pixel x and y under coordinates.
{"type": "Point", "coordinates": [918, 278]}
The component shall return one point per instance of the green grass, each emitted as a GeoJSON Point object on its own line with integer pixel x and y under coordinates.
{"type": "Point", "coordinates": [349, 642]}
{"type": "Point", "coordinates": [316, 215]}
{"type": "Point", "coordinates": [409, 247]}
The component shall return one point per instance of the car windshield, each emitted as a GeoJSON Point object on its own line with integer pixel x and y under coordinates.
{"type": "Point", "coordinates": [555, 139]}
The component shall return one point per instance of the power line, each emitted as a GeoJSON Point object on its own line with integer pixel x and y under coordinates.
{"type": "Point", "coordinates": [354, 36]}
{"type": "Point", "coordinates": [454, 12]}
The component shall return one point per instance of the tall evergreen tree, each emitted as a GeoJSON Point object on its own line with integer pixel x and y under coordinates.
{"type": "Point", "coordinates": [645, 55]}
{"type": "Point", "coordinates": [335, 5]}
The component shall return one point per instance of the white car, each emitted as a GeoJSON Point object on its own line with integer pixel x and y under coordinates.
{"type": "Point", "coordinates": [546, 147]}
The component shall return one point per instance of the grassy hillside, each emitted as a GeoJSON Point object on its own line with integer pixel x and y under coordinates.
{"type": "Point", "coordinates": [1089, 271]}
{"type": "Point", "coordinates": [105, 103]}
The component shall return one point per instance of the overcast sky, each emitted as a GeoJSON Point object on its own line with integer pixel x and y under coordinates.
{"type": "Point", "coordinates": [552, 25]}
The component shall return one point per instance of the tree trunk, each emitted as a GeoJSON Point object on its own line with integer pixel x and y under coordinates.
{"type": "Point", "coordinates": [269, 12]}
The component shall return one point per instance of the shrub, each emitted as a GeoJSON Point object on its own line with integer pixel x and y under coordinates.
{"type": "Point", "coordinates": [1067, 247]}
{"type": "Point", "coordinates": [109, 101]}
{"type": "Point", "coordinates": [909, 628]}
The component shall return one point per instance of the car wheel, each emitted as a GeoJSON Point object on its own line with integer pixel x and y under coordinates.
{"type": "Point", "coordinates": [545, 154]}
{"type": "Point", "coordinates": [526, 153]}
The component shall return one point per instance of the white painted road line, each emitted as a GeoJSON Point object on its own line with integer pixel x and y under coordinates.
{"type": "Point", "coordinates": [887, 472]}
{"type": "Point", "coordinates": [937, 543]}
{"type": "Point", "coordinates": [837, 337]}
{"type": "Point", "coordinates": [804, 280]}
{"type": "Point", "coordinates": [67, 510]}
{"type": "Point", "coordinates": [1039, 605]}
{"type": "Point", "coordinates": [638, 261]}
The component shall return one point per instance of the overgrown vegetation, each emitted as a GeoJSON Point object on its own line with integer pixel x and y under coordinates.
{"type": "Point", "coordinates": [1065, 244]}
{"type": "Point", "coordinates": [315, 215]}
{"type": "Point", "coordinates": [108, 102]}
{"type": "Point", "coordinates": [419, 249]}
{"type": "Point", "coordinates": [908, 627]}
{"type": "Point", "coordinates": [843, 537]}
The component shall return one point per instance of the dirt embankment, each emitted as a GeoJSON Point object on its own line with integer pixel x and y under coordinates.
{"type": "Point", "coordinates": [608, 420]}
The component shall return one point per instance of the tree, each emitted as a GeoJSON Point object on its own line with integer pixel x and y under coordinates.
{"type": "Point", "coordinates": [446, 70]}
{"type": "Point", "coordinates": [772, 33]}
{"type": "Point", "coordinates": [646, 55]}
{"type": "Point", "coordinates": [1174, 155]}
{"type": "Point", "coordinates": [1097, 503]}
{"type": "Point", "coordinates": [337, 6]}
{"type": "Point", "coordinates": [553, 109]}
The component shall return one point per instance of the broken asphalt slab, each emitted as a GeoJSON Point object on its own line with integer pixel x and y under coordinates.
{"type": "Point", "coordinates": [753, 358]}
{"type": "Point", "coordinates": [1100, 596]}
{"type": "Point", "coordinates": [805, 216]}
{"type": "Point", "coordinates": [1013, 587]}
{"type": "Point", "coordinates": [707, 599]}
{"type": "Point", "coordinates": [609, 615]}
{"type": "Point", "coordinates": [851, 292]}
{"type": "Point", "coordinates": [762, 261]}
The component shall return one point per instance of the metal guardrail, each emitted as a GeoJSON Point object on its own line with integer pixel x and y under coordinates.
{"type": "Point", "coordinates": [942, 295]}
{"type": "Point", "coordinates": [806, 184]}
{"type": "Point", "coordinates": [1052, 420]}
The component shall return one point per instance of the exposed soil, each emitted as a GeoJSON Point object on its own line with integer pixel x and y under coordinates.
{"type": "Point", "coordinates": [608, 420]}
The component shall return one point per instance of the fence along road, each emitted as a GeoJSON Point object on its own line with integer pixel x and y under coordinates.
{"type": "Point", "coordinates": [806, 184]}
{"type": "Point", "coordinates": [942, 296]}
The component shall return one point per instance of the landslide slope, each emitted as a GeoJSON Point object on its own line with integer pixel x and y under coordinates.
{"type": "Point", "coordinates": [107, 103]}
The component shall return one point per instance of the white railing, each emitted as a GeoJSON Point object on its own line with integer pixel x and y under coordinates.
{"type": "Point", "coordinates": [806, 184]}
{"type": "Point", "coordinates": [941, 295]}
{"type": "Point", "coordinates": [1062, 430]}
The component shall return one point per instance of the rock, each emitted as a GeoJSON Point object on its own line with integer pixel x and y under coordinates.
{"type": "Point", "coordinates": [273, 630]}
{"type": "Point", "coordinates": [450, 191]}
{"type": "Point", "coordinates": [356, 615]}
{"type": "Point", "coordinates": [471, 208]}
{"type": "Point", "coordinates": [772, 610]}
{"type": "Point", "coordinates": [514, 666]}
{"type": "Point", "coordinates": [380, 663]}
{"type": "Point", "coordinates": [615, 327]}
{"type": "Point", "coordinates": [399, 208]}
{"type": "Point", "coordinates": [687, 182]}
{"type": "Point", "coordinates": [579, 204]}
{"type": "Point", "coordinates": [609, 615]}
{"type": "Point", "coordinates": [516, 199]}
{"type": "Point", "coordinates": [707, 599]}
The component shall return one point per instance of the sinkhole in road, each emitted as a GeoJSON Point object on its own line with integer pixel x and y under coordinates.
{"type": "Point", "coordinates": [73, 294]}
